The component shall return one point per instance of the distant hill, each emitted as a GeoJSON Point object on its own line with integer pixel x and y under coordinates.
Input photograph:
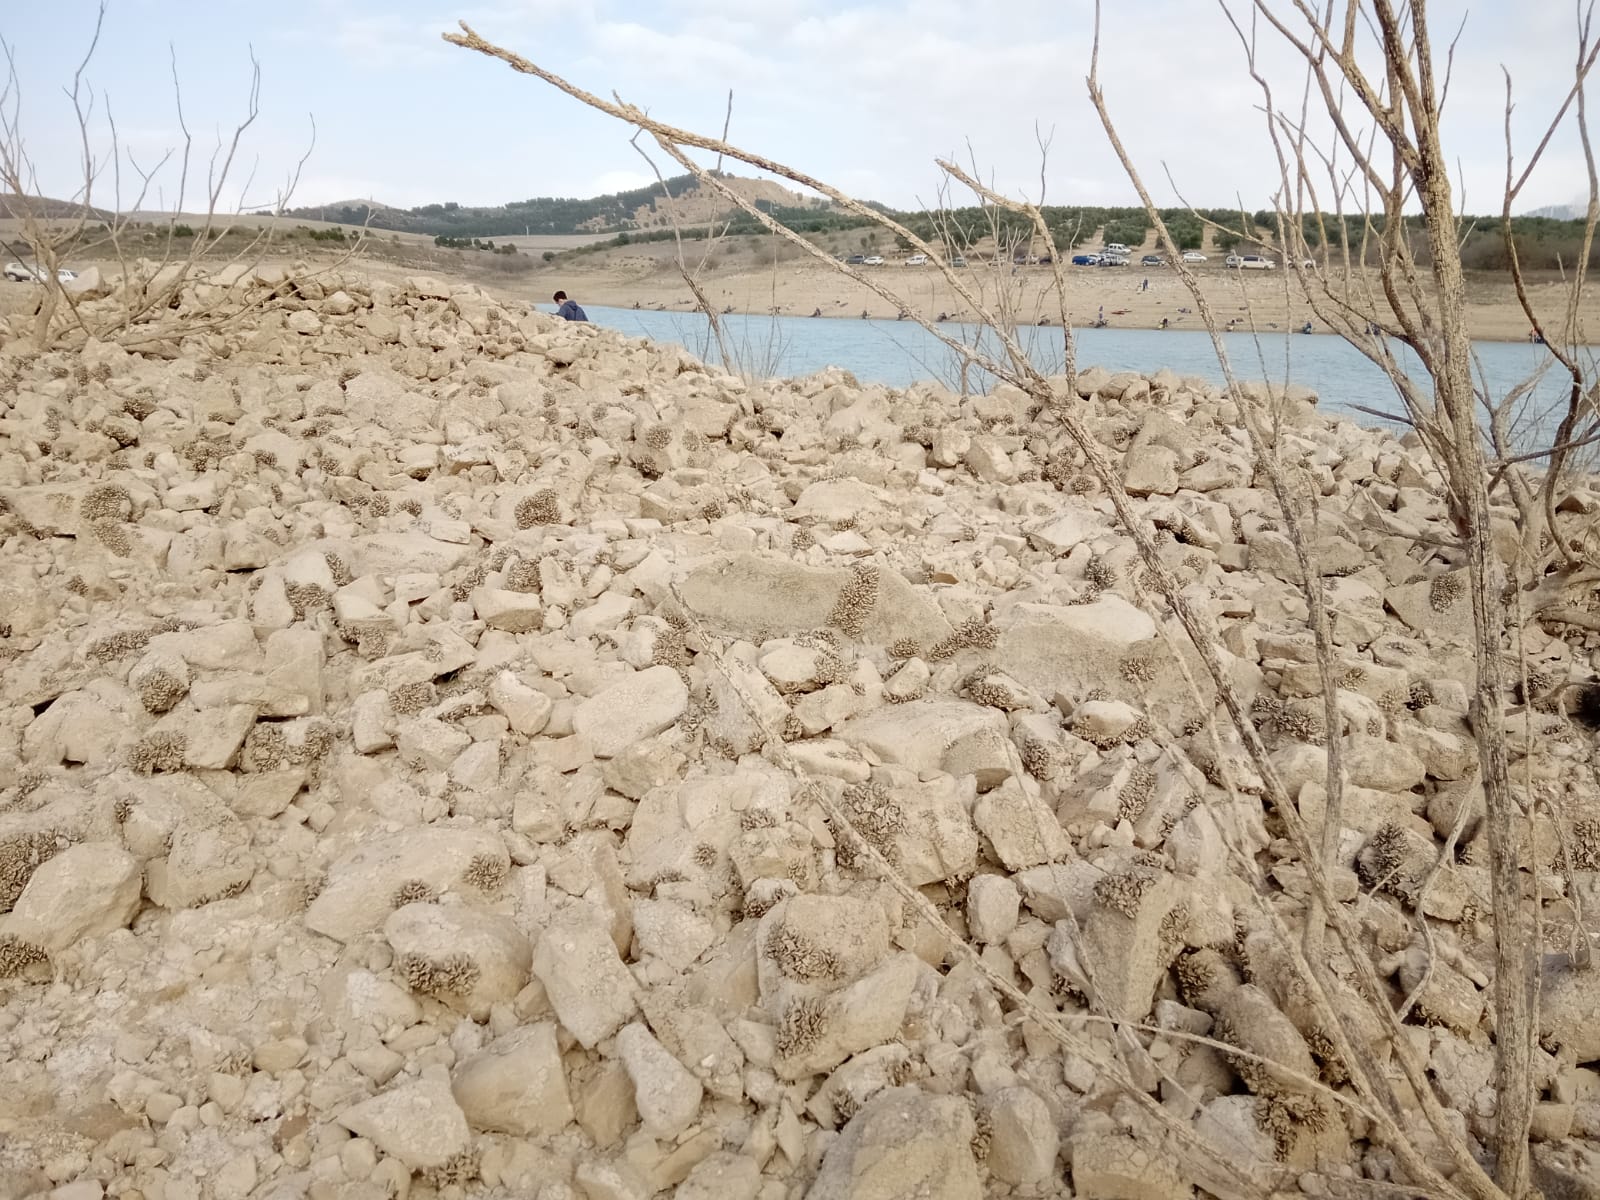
{"type": "Point", "coordinates": [14, 206]}
{"type": "Point", "coordinates": [1560, 212]}
{"type": "Point", "coordinates": [642, 208]}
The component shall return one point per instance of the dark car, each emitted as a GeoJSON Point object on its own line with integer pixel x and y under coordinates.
{"type": "Point", "coordinates": [855, 260]}
{"type": "Point", "coordinates": [1152, 260]}
{"type": "Point", "coordinates": [1086, 260]}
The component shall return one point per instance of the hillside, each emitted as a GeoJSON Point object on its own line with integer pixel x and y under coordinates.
{"type": "Point", "coordinates": [640, 208]}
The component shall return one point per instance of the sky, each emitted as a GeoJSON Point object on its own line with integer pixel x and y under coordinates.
{"type": "Point", "coordinates": [863, 95]}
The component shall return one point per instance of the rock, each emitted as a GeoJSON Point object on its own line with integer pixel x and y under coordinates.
{"type": "Point", "coordinates": [817, 1034]}
{"type": "Point", "coordinates": [1022, 1136]}
{"type": "Point", "coordinates": [992, 905]}
{"type": "Point", "coordinates": [516, 1084]}
{"type": "Point", "coordinates": [1020, 827]}
{"type": "Point", "coordinates": [667, 1096]}
{"type": "Point", "coordinates": [304, 322]}
{"type": "Point", "coordinates": [82, 892]}
{"type": "Point", "coordinates": [747, 594]}
{"type": "Point", "coordinates": [1152, 470]}
{"type": "Point", "coordinates": [362, 884]}
{"type": "Point", "coordinates": [204, 864]}
{"type": "Point", "coordinates": [1569, 1009]}
{"type": "Point", "coordinates": [468, 959]}
{"type": "Point", "coordinates": [903, 1142]}
{"type": "Point", "coordinates": [722, 1175]}
{"type": "Point", "coordinates": [1112, 1166]}
{"type": "Point", "coordinates": [417, 1122]}
{"type": "Point", "coordinates": [921, 735]}
{"type": "Point", "coordinates": [638, 707]}
{"type": "Point", "coordinates": [589, 988]}
{"type": "Point", "coordinates": [526, 708]}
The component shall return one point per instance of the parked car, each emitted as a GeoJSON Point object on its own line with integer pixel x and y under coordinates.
{"type": "Point", "coordinates": [874, 260]}
{"type": "Point", "coordinates": [1249, 262]}
{"type": "Point", "coordinates": [1152, 260]}
{"type": "Point", "coordinates": [1309, 264]}
{"type": "Point", "coordinates": [958, 261]}
{"type": "Point", "coordinates": [917, 260]}
{"type": "Point", "coordinates": [855, 260]}
{"type": "Point", "coordinates": [24, 273]}
{"type": "Point", "coordinates": [1086, 260]}
{"type": "Point", "coordinates": [1193, 256]}
{"type": "Point", "coordinates": [1115, 248]}
{"type": "Point", "coordinates": [1113, 260]}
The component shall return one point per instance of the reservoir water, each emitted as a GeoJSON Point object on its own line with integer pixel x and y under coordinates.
{"type": "Point", "coordinates": [900, 353]}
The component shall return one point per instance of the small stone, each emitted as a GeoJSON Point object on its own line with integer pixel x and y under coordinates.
{"type": "Point", "coordinates": [418, 1122]}
{"type": "Point", "coordinates": [667, 1096]}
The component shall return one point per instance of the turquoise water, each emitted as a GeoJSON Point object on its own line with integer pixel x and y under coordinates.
{"type": "Point", "coordinates": [900, 353]}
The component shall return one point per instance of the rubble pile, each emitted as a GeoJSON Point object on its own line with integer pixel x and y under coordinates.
{"type": "Point", "coordinates": [400, 695]}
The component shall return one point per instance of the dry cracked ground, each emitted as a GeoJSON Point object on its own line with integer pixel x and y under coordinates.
{"type": "Point", "coordinates": [421, 721]}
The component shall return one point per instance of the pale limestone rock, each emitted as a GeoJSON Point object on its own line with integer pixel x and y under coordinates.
{"type": "Point", "coordinates": [1023, 1140]}
{"type": "Point", "coordinates": [1112, 1166]}
{"type": "Point", "coordinates": [418, 1122]}
{"type": "Point", "coordinates": [304, 322]}
{"type": "Point", "coordinates": [722, 1175]}
{"type": "Point", "coordinates": [516, 1084]}
{"type": "Point", "coordinates": [437, 937]}
{"type": "Point", "coordinates": [921, 734]}
{"type": "Point", "coordinates": [638, 707]}
{"type": "Point", "coordinates": [671, 931]}
{"type": "Point", "coordinates": [361, 884]}
{"type": "Point", "coordinates": [589, 988]}
{"type": "Point", "coordinates": [749, 594]}
{"type": "Point", "coordinates": [903, 1142]}
{"type": "Point", "coordinates": [731, 725]}
{"type": "Point", "coordinates": [666, 1094]}
{"type": "Point", "coordinates": [867, 1013]}
{"type": "Point", "coordinates": [204, 864]}
{"type": "Point", "coordinates": [526, 708]}
{"type": "Point", "coordinates": [84, 891]}
{"type": "Point", "coordinates": [989, 461]}
{"type": "Point", "coordinates": [429, 742]}
{"type": "Point", "coordinates": [515, 612]}
{"type": "Point", "coordinates": [992, 905]}
{"type": "Point", "coordinates": [1150, 470]}
{"type": "Point", "coordinates": [1022, 829]}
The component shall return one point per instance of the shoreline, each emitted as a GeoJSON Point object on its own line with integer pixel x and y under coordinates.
{"type": "Point", "coordinates": [799, 290]}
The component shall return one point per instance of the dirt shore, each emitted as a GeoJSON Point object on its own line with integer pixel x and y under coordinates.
{"type": "Point", "coordinates": [1121, 295]}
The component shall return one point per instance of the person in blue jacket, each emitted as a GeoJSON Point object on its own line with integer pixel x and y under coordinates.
{"type": "Point", "coordinates": [569, 310]}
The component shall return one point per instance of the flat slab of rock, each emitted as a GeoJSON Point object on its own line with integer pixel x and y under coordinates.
{"type": "Point", "coordinates": [747, 594]}
{"type": "Point", "coordinates": [921, 734]}
{"type": "Point", "coordinates": [903, 1142]}
{"type": "Point", "coordinates": [516, 1084]}
{"type": "Point", "coordinates": [360, 890]}
{"type": "Point", "coordinates": [84, 891]}
{"type": "Point", "coordinates": [638, 707]}
{"type": "Point", "coordinates": [418, 1122]}
{"type": "Point", "coordinates": [591, 990]}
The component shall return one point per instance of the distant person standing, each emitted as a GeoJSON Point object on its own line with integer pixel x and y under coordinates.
{"type": "Point", "coordinates": [569, 310]}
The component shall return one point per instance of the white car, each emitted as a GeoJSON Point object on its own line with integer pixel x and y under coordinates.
{"type": "Point", "coordinates": [917, 260]}
{"type": "Point", "coordinates": [873, 260]}
{"type": "Point", "coordinates": [1193, 256]}
{"type": "Point", "coordinates": [22, 273]}
{"type": "Point", "coordinates": [1249, 262]}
